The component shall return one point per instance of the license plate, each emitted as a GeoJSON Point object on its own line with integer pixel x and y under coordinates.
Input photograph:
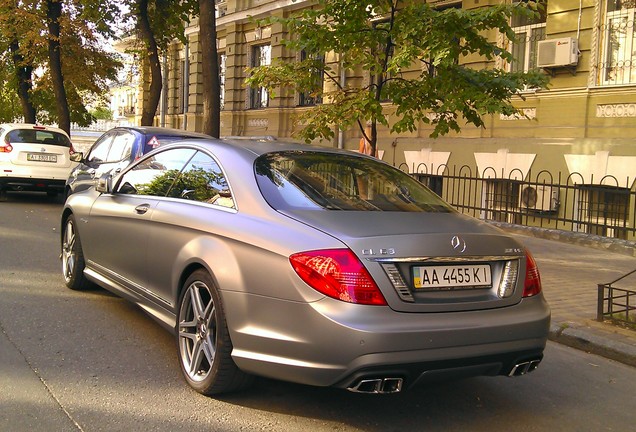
{"type": "Point", "coordinates": [455, 276]}
{"type": "Point", "coordinates": [37, 157]}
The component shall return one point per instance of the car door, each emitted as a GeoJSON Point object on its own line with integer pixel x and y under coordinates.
{"type": "Point", "coordinates": [197, 204]}
{"type": "Point", "coordinates": [121, 221]}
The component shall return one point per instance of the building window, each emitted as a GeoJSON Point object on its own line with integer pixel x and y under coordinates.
{"type": "Point", "coordinates": [222, 72]}
{"type": "Point", "coordinates": [528, 34]}
{"type": "Point", "coordinates": [432, 181]}
{"type": "Point", "coordinates": [311, 98]}
{"type": "Point", "coordinates": [604, 210]}
{"type": "Point", "coordinates": [618, 44]}
{"type": "Point", "coordinates": [221, 8]}
{"type": "Point", "coordinates": [181, 85]}
{"type": "Point", "coordinates": [502, 200]}
{"type": "Point", "coordinates": [261, 56]}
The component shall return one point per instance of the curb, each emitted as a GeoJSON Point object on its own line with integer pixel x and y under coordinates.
{"type": "Point", "coordinates": [595, 340]}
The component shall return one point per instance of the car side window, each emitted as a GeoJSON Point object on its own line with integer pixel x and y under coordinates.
{"type": "Point", "coordinates": [99, 152]}
{"type": "Point", "coordinates": [156, 174]}
{"type": "Point", "coordinates": [121, 147]}
{"type": "Point", "coordinates": [203, 180]}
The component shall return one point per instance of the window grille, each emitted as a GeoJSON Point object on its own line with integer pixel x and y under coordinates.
{"type": "Point", "coordinates": [528, 34]}
{"type": "Point", "coordinates": [617, 44]}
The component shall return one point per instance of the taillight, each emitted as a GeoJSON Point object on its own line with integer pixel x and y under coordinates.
{"type": "Point", "coordinates": [532, 284]}
{"type": "Point", "coordinates": [339, 274]}
{"type": "Point", "coordinates": [71, 150]}
{"type": "Point", "coordinates": [6, 147]}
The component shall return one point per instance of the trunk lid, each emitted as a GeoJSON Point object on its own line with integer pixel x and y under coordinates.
{"type": "Point", "coordinates": [430, 262]}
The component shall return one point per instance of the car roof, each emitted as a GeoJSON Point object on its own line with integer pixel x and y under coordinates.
{"type": "Point", "coordinates": [262, 146]}
{"type": "Point", "coordinates": [14, 126]}
{"type": "Point", "coordinates": [156, 130]}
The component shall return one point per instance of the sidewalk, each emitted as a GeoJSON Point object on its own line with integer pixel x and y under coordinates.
{"type": "Point", "coordinates": [571, 267]}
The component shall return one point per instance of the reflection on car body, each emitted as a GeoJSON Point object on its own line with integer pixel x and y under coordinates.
{"type": "Point", "coordinates": [306, 264]}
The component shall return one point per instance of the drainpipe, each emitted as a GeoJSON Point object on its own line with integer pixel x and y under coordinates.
{"type": "Point", "coordinates": [343, 83]}
{"type": "Point", "coordinates": [164, 92]}
{"type": "Point", "coordinates": [186, 85]}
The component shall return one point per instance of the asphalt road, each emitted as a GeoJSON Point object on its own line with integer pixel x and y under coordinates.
{"type": "Point", "coordinates": [93, 362]}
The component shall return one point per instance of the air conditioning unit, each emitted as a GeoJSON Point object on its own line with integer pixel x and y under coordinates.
{"type": "Point", "coordinates": [553, 53]}
{"type": "Point", "coordinates": [540, 198]}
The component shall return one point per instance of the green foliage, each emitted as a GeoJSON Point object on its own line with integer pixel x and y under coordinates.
{"type": "Point", "coordinates": [167, 18]}
{"type": "Point", "coordinates": [102, 113]}
{"type": "Point", "coordinates": [9, 103]}
{"type": "Point", "coordinates": [87, 67]}
{"type": "Point", "coordinates": [389, 40]}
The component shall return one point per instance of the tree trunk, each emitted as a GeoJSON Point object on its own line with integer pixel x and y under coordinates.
{"type": "Point", "coordinates": [24, 74]}
{"type": "Point", "coordinates": [53, 14]}
{"type": "Point", "coordinates": [210, 67]}
{"type": "Point", "coordinates": [154, 93]}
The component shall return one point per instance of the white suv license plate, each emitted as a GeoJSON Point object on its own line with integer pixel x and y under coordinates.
{"type": "Point", "coordinates": [448, 277]}
{"type": "Point", "coordinates": [36, 157]}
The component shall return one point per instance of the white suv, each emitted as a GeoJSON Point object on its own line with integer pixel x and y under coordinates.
{"type": "Point", "coordinates": [34, 158]}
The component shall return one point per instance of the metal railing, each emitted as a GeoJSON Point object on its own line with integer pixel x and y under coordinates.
{"type": "Point", "coordinates": [605, 207]}
{"type": "Point", "coordinates": [617, 304]}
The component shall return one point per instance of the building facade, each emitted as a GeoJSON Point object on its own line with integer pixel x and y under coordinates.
{"type": "Point", "coordinates": [582, 128]}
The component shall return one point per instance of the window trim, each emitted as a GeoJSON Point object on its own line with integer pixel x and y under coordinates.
{"type": "Point", "coordinates": [253, 92]}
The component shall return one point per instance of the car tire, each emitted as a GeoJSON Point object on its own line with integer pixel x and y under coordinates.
{"type": "Point", "coordinates": [73, 257]}
{"type": "Point", "coordinates": [203, 339]}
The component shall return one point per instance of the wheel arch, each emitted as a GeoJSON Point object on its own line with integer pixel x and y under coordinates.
{"type": "Point", "coordinates": [65, 214]}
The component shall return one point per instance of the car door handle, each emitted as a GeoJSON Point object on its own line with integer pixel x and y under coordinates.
{"type": "Point", "coordinates": [142, 208]}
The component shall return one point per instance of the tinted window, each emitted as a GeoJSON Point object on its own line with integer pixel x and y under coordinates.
{"type": "Point", "coordinates": [154, 141]}
{"type": "Point", "coordinates": [121, 147]}
{"type": "Point", "coordinates": [36, 136]}
{"type": "Point", "coordinates": [202, 180]}
{"type": "Point", "coordinates": [99, 152]}
{"type": "Point", "coordinates": [155, 175]}
{"type": "Point", "coordinates": [340, 182]}
{"type": "Point", "coordinates": [179, 173]}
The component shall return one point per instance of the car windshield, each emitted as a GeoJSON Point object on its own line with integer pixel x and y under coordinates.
{"type": "Point", "coordinates": [336, 181]}
{"type": "Point", "coordinates": [37, 136]}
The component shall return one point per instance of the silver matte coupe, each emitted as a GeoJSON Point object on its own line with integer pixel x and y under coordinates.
{"type": "Point", "coordinates": [306, 264]}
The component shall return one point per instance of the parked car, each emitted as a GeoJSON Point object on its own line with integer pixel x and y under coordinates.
{"type": "Point", "coordinates": [34, 158]}
{"type": "Point", "coordinates": [306, 264]}
{"type": "Point", "coordinates": [117, 148]}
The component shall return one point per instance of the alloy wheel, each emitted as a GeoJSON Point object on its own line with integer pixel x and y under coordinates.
{"type": "Point", "coordinates": [197, 331]}
{"type": "Point", "coordinates": [68, 251]}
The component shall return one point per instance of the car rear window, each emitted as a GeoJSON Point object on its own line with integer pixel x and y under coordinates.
{"type": "Point", "coordinates": [153, 141]}
{"type": "Point", "coordinates": [37, 136]}
{"type": "Point", "coordinates": [337, 181]}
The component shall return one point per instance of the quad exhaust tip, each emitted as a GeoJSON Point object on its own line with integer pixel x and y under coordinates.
{"type": "Point", "coordinates": [378, 386]}
{"type": "Point", "coordinates": [524, 368]}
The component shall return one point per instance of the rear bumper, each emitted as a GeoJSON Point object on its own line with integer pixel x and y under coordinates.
{"type": "Point", "coordinates": [331, 343]}
{"type": "Point", "coordinates": [31, 184]}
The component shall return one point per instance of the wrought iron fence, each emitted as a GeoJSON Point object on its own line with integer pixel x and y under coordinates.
{"type": "Point", "coordinates": [604, 207]}
{"type": "Point", "coordinates": [617, 304]}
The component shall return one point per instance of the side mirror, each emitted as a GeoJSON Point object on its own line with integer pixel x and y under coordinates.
{"type": "Point", "coordinates": [104, 183]}
{"type": "Point", "coordinates": [77, 157]}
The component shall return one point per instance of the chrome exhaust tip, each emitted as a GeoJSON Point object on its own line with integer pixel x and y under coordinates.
{"type": "Point", "coordinates": [524, 368]}
{"type": "Point", "coordinates": [378, 386]}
